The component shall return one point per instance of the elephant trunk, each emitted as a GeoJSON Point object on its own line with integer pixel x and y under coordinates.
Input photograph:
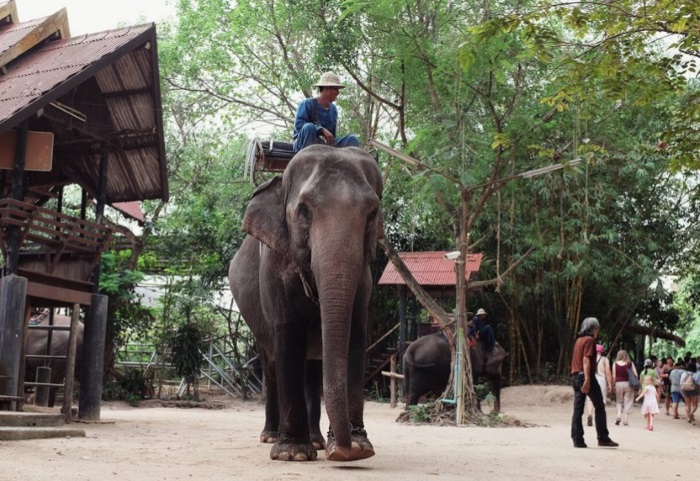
{"type": "Point", "coordinates": [337, 272]}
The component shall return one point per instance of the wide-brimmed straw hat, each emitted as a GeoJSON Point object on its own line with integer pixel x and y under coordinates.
{"type": "Point", "coordinates": [480, 312]}
{"type": "Point", "coordinates": [329, 79]}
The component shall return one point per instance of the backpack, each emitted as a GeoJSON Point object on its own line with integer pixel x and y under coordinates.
{"type": "Point", "coordinates": [688, 384]}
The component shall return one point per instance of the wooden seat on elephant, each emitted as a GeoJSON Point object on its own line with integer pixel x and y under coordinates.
{"type": "Point", "coordinates": [266, 158]}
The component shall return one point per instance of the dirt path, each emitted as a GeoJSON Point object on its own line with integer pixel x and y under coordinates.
{"type": "Point", "coordinates": [215, 445]}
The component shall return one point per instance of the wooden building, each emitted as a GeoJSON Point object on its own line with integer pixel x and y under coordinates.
{"type": "Point", "coordinates": [83, 111]}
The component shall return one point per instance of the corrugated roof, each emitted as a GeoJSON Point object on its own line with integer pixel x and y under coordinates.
{"type": "Point", "coordinates": [130, 209]}
{"type": "Point", "coordinates": [111, 80]}
{"type": "Point", "coordinates": [429, 269]}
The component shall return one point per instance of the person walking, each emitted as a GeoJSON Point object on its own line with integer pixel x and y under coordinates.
{"type": "Point", "coordinates": [583, 370]}
{"type": "Point", "coordinates": [650, 370]}
{"type": "Point", "coordinates": [666, 380]}
{"type": "Point", "coordinates": [675, 378]}
{"type": "Point", "coordinates": [650, 405]}
{"type": "Point", "coordinates": [689, 391]}
{"type": "Point", "coordinates": [624, 393]}
{"type": "Point", "coordinates": [604, 377]}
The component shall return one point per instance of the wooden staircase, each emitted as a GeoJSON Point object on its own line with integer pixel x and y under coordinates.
{"type": "Point", "coordinates": [378, 358]}
{"type": "Point", "coordinates": [377, 363]}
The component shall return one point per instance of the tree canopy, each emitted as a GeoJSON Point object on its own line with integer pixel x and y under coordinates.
{"type": "Point", "coordinates": [477, 93]}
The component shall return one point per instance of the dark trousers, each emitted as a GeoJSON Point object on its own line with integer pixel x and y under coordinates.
{"type": "Point", "coordinates": [596, 396]}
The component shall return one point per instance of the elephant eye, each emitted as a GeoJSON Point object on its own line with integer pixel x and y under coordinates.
{"type": "Point", "coordinates": [304, 213]}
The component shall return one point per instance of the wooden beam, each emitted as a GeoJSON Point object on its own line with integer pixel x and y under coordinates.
{"type": "Point", "coordinates": [124, 93]}
{"type": "Point", "coordinates": [56, 23]}
{"type": "Point", "coordinates": [8, 13]}
{"type": "Point", "coordinates": [54, 293]}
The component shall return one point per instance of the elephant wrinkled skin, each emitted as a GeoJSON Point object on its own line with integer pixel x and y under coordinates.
{"type": "Point", "coordinates": [427, 363]}
{"type": "Point", "coordinates": [302, 283]}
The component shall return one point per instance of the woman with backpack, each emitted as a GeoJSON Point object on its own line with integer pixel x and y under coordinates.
{"type": "Point", "coordinates": [675, 377]}
{"type": "Point", "coordinates": [689, 391]}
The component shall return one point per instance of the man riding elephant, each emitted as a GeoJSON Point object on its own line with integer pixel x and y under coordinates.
{"type": "Point", "coordinates": [479, 329]}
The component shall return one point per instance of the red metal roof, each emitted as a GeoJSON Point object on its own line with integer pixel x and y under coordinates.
{"type": "Point", "coordinates": [429, 269]}
{"type": "Point", "coordinates": [130, 209]}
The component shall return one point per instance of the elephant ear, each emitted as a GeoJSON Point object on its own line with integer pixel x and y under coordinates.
{"type": "Point", "coordinates": [375, 231]}
{"type": "Point", "coordinates": [265, 216]}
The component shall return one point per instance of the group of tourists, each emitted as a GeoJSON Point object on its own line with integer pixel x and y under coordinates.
{"type": "Point", "coordinates": [594, 378]}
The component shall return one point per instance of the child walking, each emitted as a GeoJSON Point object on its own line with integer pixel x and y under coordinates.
{"type": "Point", "coordinates": [650, 406]}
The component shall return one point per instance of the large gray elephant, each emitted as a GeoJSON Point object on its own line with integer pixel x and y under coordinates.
{"type": "Point", "coordinates": [36, 345]}
{"type": "Point", "coordinates": [427, 363]}
{"type": "Point", "coordinates": [302, 282]}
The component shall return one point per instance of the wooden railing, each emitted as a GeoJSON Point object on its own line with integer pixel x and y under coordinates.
{"type": "Point", "coordinates": [53, 244]}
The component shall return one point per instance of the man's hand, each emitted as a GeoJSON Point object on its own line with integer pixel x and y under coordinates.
{"type": "Point", "coordinates": [586, 386]}
{"type": "Point", "coordinates": [330, 140]}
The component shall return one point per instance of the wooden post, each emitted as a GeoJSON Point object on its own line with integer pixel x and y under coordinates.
{"type": "Point", "coordinates": [41, 393]}
{"type": "Point", "coordinates": [70, 363]}
{"type": "Point", "coordinates": [13, 292]}
{"type": "Point", "coordinates": [393, 376]}
{"type": "Point", "coordinates": [93, 359]}
{"type": "Point", "coordinates": [402, 322]}
{"type": "Point", "coordinates": [17, 193]}
{"type": "Point", "coordinates": [392, 383]}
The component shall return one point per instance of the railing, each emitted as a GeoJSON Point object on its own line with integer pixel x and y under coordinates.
{"type": "Point", "coordinates": [53, 243]}
{"type": "Point", "coordinates": [219, 368]}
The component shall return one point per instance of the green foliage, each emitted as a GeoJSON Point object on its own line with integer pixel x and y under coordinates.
{"type": "Point", "coordinates": [476, 93]}
{"type": "Point", "coordinates": [185, 352]}
{"type": "Point", "coordinates": [131, 387]}
{"type": "Point", "coordinates": [422, 413]}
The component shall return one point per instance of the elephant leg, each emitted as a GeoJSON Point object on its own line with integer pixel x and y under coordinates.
{"type": "Point", "coordinates": [272, 418]}
{"type": "Point", "coordinates": [314, 378]}
{"type": "Point", "coordinates": [293, 441]}
{"type": "Point", "coordinates": [496, 390]}
{"type": "Point", "coordinates": [361, 447]}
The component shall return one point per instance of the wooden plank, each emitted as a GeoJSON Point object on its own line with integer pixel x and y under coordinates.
{"type": "Point", "coordinates": [12, 323]}
{"type": "Point", "coordinates": [39, 150]}
{"type": "Point", "coordinates": [44, 278]}
{"type": "Point", "coordinates": [70, 365]}
{"type": "Point", "coordinates": [56, 23]}
{"type": "Point", "coordinates": [8, 13]}
{"type": "Point", "coordinates": [60, 294]}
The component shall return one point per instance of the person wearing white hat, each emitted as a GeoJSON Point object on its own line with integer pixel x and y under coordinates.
{"type": "Point", "coordinates": [482, 331]}
{"type": "Point", "coordinates": [316, 118]}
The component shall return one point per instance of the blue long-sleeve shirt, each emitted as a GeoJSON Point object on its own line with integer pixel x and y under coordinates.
{"type": "Point", "coordinates": [324, 118]}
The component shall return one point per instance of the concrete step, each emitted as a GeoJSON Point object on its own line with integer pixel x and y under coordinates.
{"type": "Point", "coordinates": [24, 433]}
{"type": "Point", "coordinates": [39, 420]}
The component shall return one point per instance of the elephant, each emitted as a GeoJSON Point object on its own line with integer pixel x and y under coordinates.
{"type": "Point", "coordinates": [302, 283]}
{"type": "Point", "coordinates": [427, 363]}
{"type": "Point", "coordinates": [36, 344]}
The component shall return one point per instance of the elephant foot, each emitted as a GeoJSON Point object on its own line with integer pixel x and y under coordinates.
{"type": "Point", "coordinates": [293, 450]}
{"type": "Point", "coordinates": [268, 437]}
{"type": "Point", "coordinates": [360, 447]}
{"type": "Point", "coordinates": [318, 441]}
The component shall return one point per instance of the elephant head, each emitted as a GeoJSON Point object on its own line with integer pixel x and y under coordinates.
{"type": "Point", "coordinates": [322, 220]}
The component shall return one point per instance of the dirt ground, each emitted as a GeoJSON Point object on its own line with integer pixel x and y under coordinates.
{"type": "Point", "coordinates": [159, 443]}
